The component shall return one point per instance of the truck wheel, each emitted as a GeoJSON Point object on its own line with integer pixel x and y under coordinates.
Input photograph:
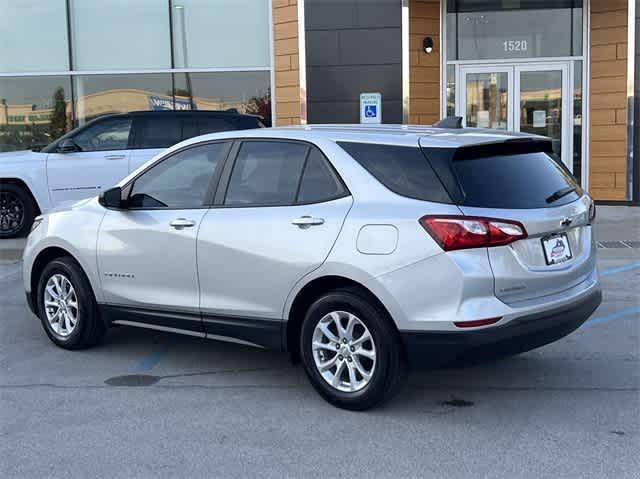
{"type": "Point", "coordinates": [17, 211]}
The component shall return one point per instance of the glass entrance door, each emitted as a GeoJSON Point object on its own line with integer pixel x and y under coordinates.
{"type": "Point", "coordinates": [532, 98]}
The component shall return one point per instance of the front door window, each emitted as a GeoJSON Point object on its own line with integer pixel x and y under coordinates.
{"type": "Point", "coordinates": [488, 100]}
{"type": "Point", "coordinates": [541, 105]}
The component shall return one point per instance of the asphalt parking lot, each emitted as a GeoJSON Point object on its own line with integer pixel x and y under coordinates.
{"type": "Point", "coordinates": [211, 409]}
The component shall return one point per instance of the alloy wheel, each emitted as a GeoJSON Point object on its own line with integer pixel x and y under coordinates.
{"type": "Point", "coordinates": [344, 352]}
{"type": "Point", "coordinates": [61, 305]}
{"type": "Point", "coordinates": [11, 213]}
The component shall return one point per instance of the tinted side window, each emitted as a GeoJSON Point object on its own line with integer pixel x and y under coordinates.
{"type": "Point", "coordinates": [403, 169]}
{"type": "Point", "coordinates": [112, 134]}
{"type": "Point", "coordinates": [514, 181]}
{"type": "Point", "coordinates": [159, 132]}
{"type": "Point", "coordinates": [214, 125]}
{"type": "Point", "coordinates": [266, 173]}
{"type": "Point", "coordinates": [319, 181]}
{"type": "Point", "coordinates": [180, 181]}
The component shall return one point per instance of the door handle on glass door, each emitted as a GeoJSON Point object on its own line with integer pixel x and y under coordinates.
{"type": "Point", "coordinates": [306, 221]}
{"type": "Point", "coordinates": [180, 223]}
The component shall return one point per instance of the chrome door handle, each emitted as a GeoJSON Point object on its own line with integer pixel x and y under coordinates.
{"type": "Point", "coordinates": [306, 221]}
{"type": "Point", "coordinates": [115, 157]}
{"type": "Point", "coordinates": [180, 223]}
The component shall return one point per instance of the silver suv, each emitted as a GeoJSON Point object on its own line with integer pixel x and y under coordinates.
{"type": "Point", "coordinates": [359, 250]}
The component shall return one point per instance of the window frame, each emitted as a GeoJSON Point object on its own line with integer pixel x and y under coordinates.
{"type": "Point", "coordinates": [214, 182]}
{"type": "Point", "coordinates": [232, 158]}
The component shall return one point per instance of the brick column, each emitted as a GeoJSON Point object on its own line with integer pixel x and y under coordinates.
{"type": "Point", "coordinates": [608, 100]}
{"type": "Point", "coordinates": [287, 71]}
{"type": "Point", "coordinates": [424, 69]}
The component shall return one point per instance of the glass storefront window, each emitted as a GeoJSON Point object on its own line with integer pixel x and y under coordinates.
{"type": "Point", "coordinates": [492, 29]}
{"type": "Point", "coordinates": [98, 95]}
{"type": "Point", "coordinates": [34, 36]}
{"type": "Point", "coordinates": [247, 92]}
{"type": "Point", "coordinates": [577, 120]}
{"type": "Point", "coordinates": [120, 34]}
{"type": "Point", "coordinates": [487, 100]}
{"type": "Point", "coordinates": [34, 111]}
{"type": "Point", "coordinates": [451, 90]}
{"type": "Point", "coordinates": [220, 33]}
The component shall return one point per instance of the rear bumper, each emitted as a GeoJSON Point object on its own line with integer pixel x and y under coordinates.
{"type": "Point", "coordinates": [438, 348]}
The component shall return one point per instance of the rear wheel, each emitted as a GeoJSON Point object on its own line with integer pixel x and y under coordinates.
{"type": "Point", "coordinates": [17, 211]}
{"type": "Point", "coordinates": [351, 352]}
{"type": "Point", "coordinates": [66, 306]}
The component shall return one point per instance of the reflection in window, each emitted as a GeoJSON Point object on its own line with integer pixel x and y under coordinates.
{"type": "Point", "coordinates": [246, 92]}
{"type": "Point", "coordinates": [34, 111]}
{"type": "Point", "coordinates": [98, 95]}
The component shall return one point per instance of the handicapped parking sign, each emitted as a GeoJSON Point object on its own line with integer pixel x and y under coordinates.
{"type": "Point", "coordinates": [370, 108]}
{"type": "Point", "coordinates": [371, 111]}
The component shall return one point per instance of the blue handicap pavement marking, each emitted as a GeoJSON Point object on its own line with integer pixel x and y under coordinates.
{"type": "Point", "coordinates": [153, 358]}
{"type": "Point", "coordinates": [611, 317]}
{"type": "Point", "coordinates": [619, 269]}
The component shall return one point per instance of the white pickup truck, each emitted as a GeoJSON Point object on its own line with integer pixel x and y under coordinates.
{"type": "Point", "coordinates": [94, 157]}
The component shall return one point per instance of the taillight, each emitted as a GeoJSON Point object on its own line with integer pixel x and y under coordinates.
{"type": "Point", "coordinates": [592, 210]}
{"type": "Point", "coordinates": [463, 232]}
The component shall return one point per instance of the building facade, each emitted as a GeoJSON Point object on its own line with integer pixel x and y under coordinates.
{"type": "Point", "coordinates": [565, 69]}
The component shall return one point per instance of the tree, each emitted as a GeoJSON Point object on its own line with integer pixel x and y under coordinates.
{"type": "Point", "coordinates": [261, 106]}
{"type": "Point", "coordinates": [58, 124]}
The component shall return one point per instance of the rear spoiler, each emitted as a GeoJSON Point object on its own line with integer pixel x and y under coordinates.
{"type": "Point", "coordinates": [513, 146]}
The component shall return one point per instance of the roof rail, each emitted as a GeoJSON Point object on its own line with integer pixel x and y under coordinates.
{"type": "Point", "coordinates": [449, 122]}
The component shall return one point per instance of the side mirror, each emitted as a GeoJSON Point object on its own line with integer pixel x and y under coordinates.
{"type": "Point", "coordinates": [67, 146]}
{"type": "Point", "coordinates": [112, 198]}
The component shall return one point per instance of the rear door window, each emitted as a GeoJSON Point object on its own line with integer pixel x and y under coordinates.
{"type": "Point", "coordinates": [214, 125]}
{"type": "Point", "coordinates": [266, 173]}
{"type": "Point", "coordinates": [159, 132]}
{"type": "Point", "coordinates": [519, 181]}
{"type": "Point", "coordinates": [402, 169]}
{"type": "Point", "coordinates": [319, 182]}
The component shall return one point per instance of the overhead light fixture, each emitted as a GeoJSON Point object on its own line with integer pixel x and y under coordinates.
{"type": "Point", "coordinates": [427, 44]}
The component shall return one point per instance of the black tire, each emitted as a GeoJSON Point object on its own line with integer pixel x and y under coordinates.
{"type": "Point", "coordinates": [90, 328]}
{"type": "Point", "coordinates": [390, 365]}
{"type": "Point", "coordinates": [14, 195]}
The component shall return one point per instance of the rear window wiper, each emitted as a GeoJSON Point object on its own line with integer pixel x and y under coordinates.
{"type": "Point", "coordinates": [560, 193]}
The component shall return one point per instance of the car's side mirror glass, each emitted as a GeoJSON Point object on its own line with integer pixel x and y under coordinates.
{"type": "Point", "coordinates": [112, 198]}
{"type": "Point", "coordinates": [67, 146]}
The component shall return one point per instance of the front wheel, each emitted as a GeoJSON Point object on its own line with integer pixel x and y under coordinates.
{"type": "Point", "coordinates": [17, 211]}
{"type": "Point", "coordinates": [67, 307]}
{"type": "Point", "coordinates": [351, 351]}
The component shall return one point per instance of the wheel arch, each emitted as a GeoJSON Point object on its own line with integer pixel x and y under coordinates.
{"type": "Point", "coordinates": [22, 184]}
{"type": "Point", "coordinates": [312, 291]}
{"type": "Point", "coordinates": [43, 258]}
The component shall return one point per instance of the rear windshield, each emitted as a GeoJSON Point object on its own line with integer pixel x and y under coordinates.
{"type": "Point", "coordinates": [521, 181]}
{"type": "Point", "coordinates": [402, 169]}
